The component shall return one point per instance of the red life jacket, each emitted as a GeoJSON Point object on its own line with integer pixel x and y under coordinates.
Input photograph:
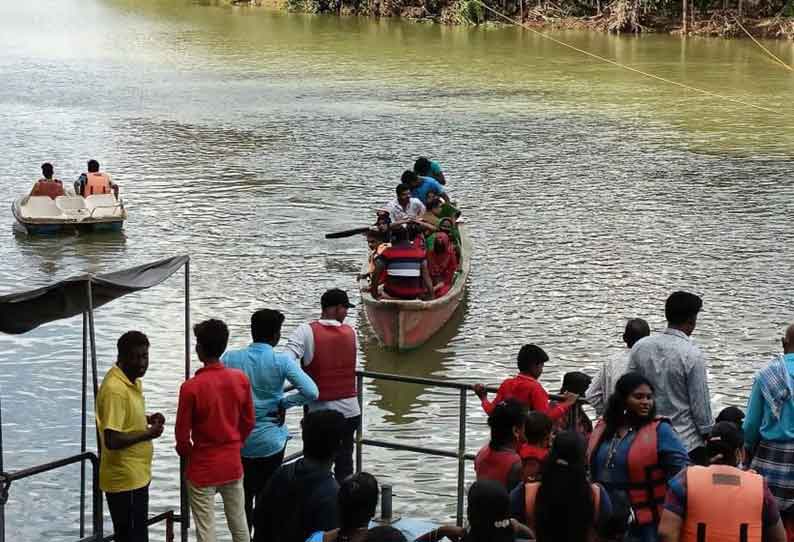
{"type": "Point", "coordinates": [404, 270]}
{"type": "Point", "coordinates": [531, 495]}
{"type": "Point", "coordinates": [647, 485]}
{"type": "Point", "coordinates": [333, 366]}
{"type": "Point", "coordinates": [495, 465]}
{"type": "Point", "coordinates": [48, 187]}
{"type": "Point", "coordinates": [723, 504]}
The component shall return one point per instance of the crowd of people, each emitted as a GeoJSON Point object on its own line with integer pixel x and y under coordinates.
{"type": "Point", "coordinates": [91, 182]}
{"type": "Point", "coordinates": [654, 467]}
{"type": "Point", "coordinates": [415, 244]}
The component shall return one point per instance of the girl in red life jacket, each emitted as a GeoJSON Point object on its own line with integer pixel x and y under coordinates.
{"type": "Point", "coordinates": [564, 506]}
{"type": "Point", "coordinates": [442, 264]}
{"type": "Point", "coordinates": [634, 454]}
{"type": "Point", "coordinates": [535, 449]}
{"type": "Point", "coordinates": [498, 460]}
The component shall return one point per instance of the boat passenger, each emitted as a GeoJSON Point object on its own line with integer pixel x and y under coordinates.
{"type": "Point", "coordinates": [442, 263]}
{"type": "Point", "coordinates": [498, 460]}
{"type": "Point", "coordinates": [488, 515]}
{"type": "Point", "coordinates": [429, 168]}
{"type": "Point", "coordinates": [535, 448]}
{"type": "Point", "coordinates": [357, 499]}
{"type": "Point", "coordinates": [301, 497]}
{"type": "Point", "coordinates": [385, 533]}
{"type": "Point", "coordinates": [327, 349]}
{"type": "Point", "coordinates": [376, 244]}
{"type": "Point", "coordinates": [420, 186]}
{"type": "Point", "coordinates": [126, 433]}
{"type": "Point", "coordinates": [564, 506]}
{"type": "Point", "coordinates": [525, 387]}
{"type": "Point", "coordinates": [634, 454]}
{"type": "Point", "coordinates": [267, 371]}
{"type": "Point", "coordinates": [769, 428]}
{"type": "Point", "coordinates": [603, 384]}
{"type": "Point", "coordinates": [404, 208]}
{"type": "Point", "coordinates": [47, 185]}
{"type": "Point", "coordinates": [214, 416]}
{"type": "Point", "coordinates": [731, 414]}
{"type": "Point", "coordinates": [95, 182]}
{"type": "Point", "coordinates": [721, 502]}
{"type": "Point", "coordinates": [676, 368]}
{"type": "Point", "coordinates": [402, 268]}
{"type": "Point", "coordinates": [432, 215]}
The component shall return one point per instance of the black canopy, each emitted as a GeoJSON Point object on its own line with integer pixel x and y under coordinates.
{"type": "Point", "coordinates": [23, 311]}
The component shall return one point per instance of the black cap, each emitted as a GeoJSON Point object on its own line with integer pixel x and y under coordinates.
{"type": "Point", "coordinates": [334, 297]}
{"type": "Point", "coordinates": [727, 432]}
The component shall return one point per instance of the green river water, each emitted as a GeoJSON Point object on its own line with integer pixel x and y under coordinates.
{"type": "Point", "coordinates": [242, 135]}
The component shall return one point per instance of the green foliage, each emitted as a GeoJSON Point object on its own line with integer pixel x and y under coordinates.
{"type": "Point", "coordinates": [469, 12]}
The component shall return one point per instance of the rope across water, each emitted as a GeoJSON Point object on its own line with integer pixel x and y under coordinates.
{"type": "Point", "coordinates": [624, 66]}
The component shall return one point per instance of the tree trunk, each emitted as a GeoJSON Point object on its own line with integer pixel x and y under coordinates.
{"type": "Point", "coordinates": [740, 8]}
{"type": "Point", "coordinates": [684, 18]}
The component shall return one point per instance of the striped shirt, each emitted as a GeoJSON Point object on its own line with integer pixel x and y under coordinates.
{"type": "Point", "coordinates": [676, 368]}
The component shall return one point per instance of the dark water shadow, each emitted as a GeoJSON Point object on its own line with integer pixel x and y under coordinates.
{"type": "Point", "coordinates": [403, 403]}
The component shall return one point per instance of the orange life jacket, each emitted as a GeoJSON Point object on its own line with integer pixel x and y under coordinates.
{"type": "Point", "coordinates": [96, 183]}
{"type": "Point", "coordinates": [723, 504]}
{"type": "Point", "coordinates": [48, 187]}
{"type": "Point", "coordinates": [333, 365]}
{"type": "Point", "coordinates": [647, 484]}
{"type": "Point", "coordinates": [531, 495]}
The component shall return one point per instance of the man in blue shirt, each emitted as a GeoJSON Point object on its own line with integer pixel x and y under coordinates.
{"type": "Point", "coordinates": [267, 370]}
{"type": "Point", "coordinates": [420, 186]}
{"type": "Point", "coordinates": [429, 168]}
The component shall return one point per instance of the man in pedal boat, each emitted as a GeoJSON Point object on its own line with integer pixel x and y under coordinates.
{"type": "Point", "coordinates": [47, 185]}
{"type": "Point", "coordinates": [95, 182]}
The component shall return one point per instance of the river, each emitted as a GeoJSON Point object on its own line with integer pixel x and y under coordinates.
{"type": "Point", "coordinates": [240, 136]}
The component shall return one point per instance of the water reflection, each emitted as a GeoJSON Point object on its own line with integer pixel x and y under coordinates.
{"type": "Point", "coordinates": [404, 403]}
{"type": "Point", "coordinates": [54, 254]}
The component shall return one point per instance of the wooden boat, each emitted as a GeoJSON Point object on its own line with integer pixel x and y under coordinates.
{"type": "Point", "coordinates": [405, 325]}
{"type": "Point", "coordinates": [44, 215]}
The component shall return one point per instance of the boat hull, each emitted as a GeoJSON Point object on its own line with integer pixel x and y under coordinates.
{"type": "Point", "coordinates": [406, 325]}
{"type": "Point", "coordinates": [43, 226]}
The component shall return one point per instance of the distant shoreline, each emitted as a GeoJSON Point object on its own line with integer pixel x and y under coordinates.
{"type": "Point", "coordinates": [716, 23]}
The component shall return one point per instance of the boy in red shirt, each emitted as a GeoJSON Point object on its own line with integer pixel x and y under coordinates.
{"type": "Point", "coordinates": [525, 387]}
{"type": "Point", "coordinates": [213, 419]}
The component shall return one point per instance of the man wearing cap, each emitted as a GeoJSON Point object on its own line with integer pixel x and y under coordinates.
{"type": "Point", "coordinates": [327, 349]}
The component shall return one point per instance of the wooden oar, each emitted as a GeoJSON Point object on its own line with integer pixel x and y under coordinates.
{"type": "Point", "coordinates": [347, 233]}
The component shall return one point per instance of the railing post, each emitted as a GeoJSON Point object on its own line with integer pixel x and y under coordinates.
{"type": "Point", "coordinates": [385, 503]}
{"type": "Point", "coordinates": [84, 408]}
{"type": "Point", "coordinates": [184, 506]}
{"type": "Point", "coordinates": [461, 456]}
{"type": "Point", "coordinates": [360, 431]}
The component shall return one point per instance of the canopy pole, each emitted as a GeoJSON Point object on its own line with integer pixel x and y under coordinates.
{"type": "Point", "coordinates": [92, 344]}
{"type": "Point", "coordinates": [84, 398]}
{"type": "Point", "coordinates": [184, 508]}
{"type": "Point", "coordinates": [3, 486]}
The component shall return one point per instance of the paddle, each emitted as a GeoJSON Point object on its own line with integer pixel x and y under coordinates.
{"type": "Point", "coordinates": [347, 233]}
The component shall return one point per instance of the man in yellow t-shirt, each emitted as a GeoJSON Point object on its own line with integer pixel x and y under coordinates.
{"type": "Point", "coordinates": [126, 432]}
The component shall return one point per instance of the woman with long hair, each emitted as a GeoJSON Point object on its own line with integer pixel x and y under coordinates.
{"type": "Point", "coordinates": [634, 454]}
{"type": "Point", "coordinates": [357, 498]}
{"type": "Point", "coordinates": [564, 506]}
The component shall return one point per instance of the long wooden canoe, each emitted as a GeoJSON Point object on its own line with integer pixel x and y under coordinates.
{"type": "Point", "coordinates": [405, 325]}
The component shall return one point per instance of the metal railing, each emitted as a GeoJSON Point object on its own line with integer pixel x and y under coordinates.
{"type": "Point", "coordinates": [459, 454]}
{"type": "Point", "coordinates": [8, 478]}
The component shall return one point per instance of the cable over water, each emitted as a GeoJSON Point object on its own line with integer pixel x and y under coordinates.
{"type": "Point", "coordinates": [767, 51]}
{"type": "Point", "coordinates": [624, 66]}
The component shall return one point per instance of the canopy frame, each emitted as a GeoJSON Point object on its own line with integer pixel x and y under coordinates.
{"type": "Point", "coordinates": [67, 297]}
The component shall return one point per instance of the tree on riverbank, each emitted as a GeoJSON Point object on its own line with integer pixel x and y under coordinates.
{"type": "Point", "coordinates": [764, 18]}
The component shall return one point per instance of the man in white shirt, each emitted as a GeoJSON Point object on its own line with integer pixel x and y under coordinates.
{"type": "Point", "coordinates": [404, 207]}
{"type": "Point", "coordinates": [327, 349]}
{"type": "Point", "coordinates": [603, 384]}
